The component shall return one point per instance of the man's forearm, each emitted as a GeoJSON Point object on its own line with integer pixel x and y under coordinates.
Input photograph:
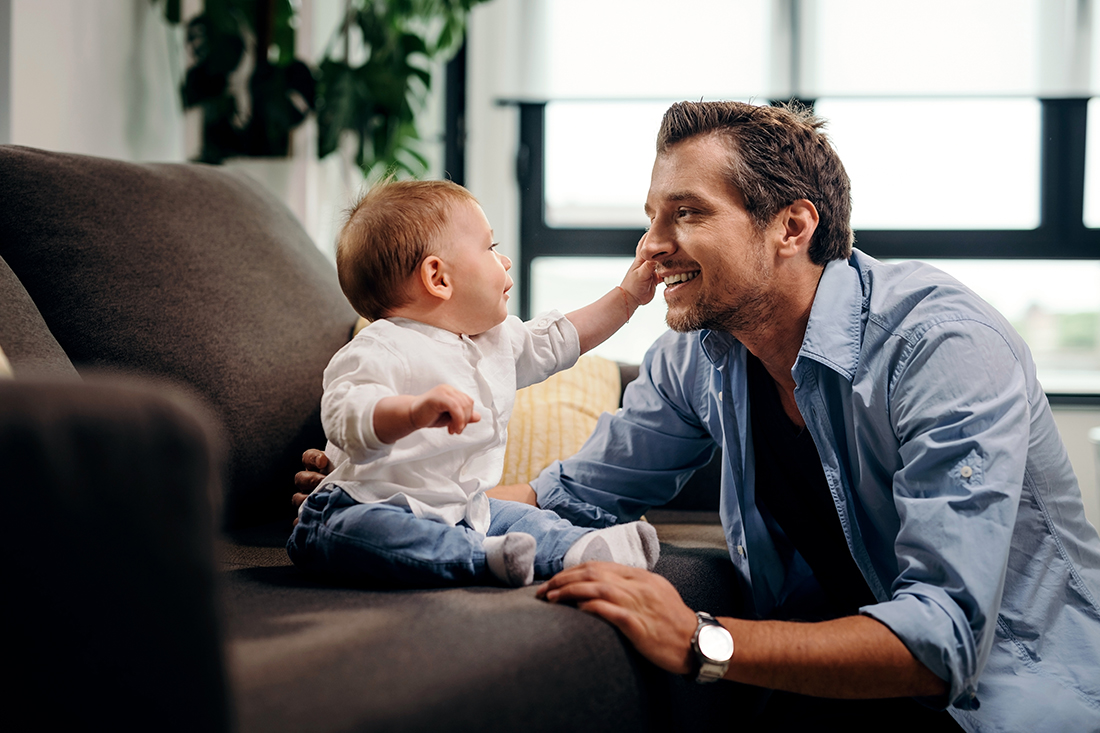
{"type": "Point", "coordinates": [854, 657]}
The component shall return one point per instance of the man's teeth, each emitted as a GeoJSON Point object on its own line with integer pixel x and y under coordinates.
{"type": "Point", "coordinates": [682, 277]}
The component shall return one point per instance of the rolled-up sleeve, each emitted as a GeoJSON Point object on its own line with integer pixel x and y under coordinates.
{"type": "Point", "coordinates": [639, 457]}
{"type": "Point", "coordinates": [959, 407]}
{"type": "Point", "coordinates": [355, 380]}
{"type": "Point", "coordinates": [542, 346]}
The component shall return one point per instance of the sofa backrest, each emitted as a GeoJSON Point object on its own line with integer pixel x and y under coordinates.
{"type": "Point", "coordinates": [187, 272]}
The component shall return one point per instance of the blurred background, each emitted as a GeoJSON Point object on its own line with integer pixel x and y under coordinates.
{"type": "Point", "coordinates": [970, 128]}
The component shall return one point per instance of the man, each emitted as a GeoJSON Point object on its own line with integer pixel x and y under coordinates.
{"type": "Point", "coordinates": [890, 461]}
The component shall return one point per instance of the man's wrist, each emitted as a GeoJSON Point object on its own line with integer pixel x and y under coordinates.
{"type": "Point", "coordinates": [712, 649]}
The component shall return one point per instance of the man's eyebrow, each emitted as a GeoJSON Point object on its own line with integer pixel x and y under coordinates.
{"type": "Point", "coordinates": [687, 196]}
{"type": "Point", "coordinates": [679, 197]}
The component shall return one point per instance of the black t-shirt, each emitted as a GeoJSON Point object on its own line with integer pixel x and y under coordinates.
{"type": "Point", "coordinates": [791, 487]}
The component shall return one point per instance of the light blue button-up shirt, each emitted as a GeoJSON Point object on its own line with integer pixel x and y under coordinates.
{"type": "Point", "coordinates": [953, 487]}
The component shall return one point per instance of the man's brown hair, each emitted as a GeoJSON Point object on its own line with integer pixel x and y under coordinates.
{"type": "Point", "coordinates": [777, 156]}
{"type": "Point", "coordinates": [389, 232]}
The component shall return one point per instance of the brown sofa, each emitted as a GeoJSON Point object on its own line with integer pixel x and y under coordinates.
{"type": "Point", "coordinates": [168, 326]}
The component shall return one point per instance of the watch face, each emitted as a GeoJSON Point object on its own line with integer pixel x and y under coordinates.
{"type": "Point", "coordinates": [715, 643]}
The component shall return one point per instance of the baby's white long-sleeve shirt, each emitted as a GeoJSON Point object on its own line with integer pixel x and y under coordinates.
{"type": "Point", "coordinates": [438, 475]}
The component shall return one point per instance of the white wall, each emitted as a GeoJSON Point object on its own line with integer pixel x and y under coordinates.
{"type": "Point", "coordinates": [1074, 424]}
{"type": "Point", "coordinates": [97, 78]}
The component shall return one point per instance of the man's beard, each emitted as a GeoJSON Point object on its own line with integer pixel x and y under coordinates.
{"type": "Point", "coordinates": [744, 316]}
{"type": "Point", "coordinates": [741, 311]}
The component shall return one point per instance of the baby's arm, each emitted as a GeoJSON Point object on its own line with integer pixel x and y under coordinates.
{"type": "Point", "coordinates": [441, 406]}
{"type": "Point", "coordinates": [596, 322]}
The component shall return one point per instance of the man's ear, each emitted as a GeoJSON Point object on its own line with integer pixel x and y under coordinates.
{"type": "Point", "coordinates": [435, 278]}
{"type": "Point", "coordinates": [799, 222]}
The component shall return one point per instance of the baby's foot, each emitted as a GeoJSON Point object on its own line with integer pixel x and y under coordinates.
{"type": "Point", "coordinates": [511, 558]}
{"type": "Point", "coordinates": [634, 544]}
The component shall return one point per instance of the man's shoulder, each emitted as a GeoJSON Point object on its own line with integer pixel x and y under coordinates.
{"type": "Point", "coordinates": [910, 298]}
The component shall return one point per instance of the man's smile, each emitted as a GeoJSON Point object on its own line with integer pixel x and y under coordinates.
{"type": "Point", "coordinates": [677, 280]}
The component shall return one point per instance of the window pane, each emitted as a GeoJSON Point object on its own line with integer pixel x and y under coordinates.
{"type": "Point", "coordinates": [1092, 165]}
{"type": "Point", "coordinates": [652, 48]}
{"type": "Point", "coordinates": [1054, 304]}
{"type": "Point", "coordinates": [568, 283]}
{"type": "Point", "coordinates": [599, 156]}
{"type": "Point", "coordinates": [937, 163]}
{"type": "Point", "coordinates": [938, 47]}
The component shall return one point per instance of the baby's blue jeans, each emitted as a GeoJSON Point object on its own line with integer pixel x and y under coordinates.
{"type": "Point", "coordinates": [387, 543]}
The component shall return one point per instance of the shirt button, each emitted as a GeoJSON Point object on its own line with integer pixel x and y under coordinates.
{"type": "Point", "coordinates": [719, 396]}
{"type": "Point", "coordinates": [966, 471]}
{"type": "Point", "coordinates": [741, 550]}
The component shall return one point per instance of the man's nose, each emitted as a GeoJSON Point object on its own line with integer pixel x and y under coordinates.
{"type": "Point", "coordinates": [506, 262]}
{"type": "Point", "coordinates": [656, 243]}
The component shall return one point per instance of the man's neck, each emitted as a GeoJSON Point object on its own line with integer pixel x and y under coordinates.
{"type": "Point", "coordinates": [777, 340]}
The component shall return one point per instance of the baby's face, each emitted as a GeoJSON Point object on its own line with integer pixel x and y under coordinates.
{"type": "Point", "coordinates": [479, 274]}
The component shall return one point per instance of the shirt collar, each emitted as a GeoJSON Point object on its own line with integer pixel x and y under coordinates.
{"type": "Point", "coordinates": [833, 333]}
{"type": "Point", "coordinates": [435, 333]}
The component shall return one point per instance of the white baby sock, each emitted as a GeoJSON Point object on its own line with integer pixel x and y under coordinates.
{"type": "Point", "coordinates": [511, 558]}
{"type": "Point", "coordinates": [634, 544]}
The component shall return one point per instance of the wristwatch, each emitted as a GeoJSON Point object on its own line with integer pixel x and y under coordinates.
{"type": "Point", "coordinates": [713, 647]}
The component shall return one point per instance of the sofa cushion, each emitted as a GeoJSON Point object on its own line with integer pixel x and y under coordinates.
{"type": "Point", "coordinates": [190, 272]}
{"type": "Point", "coordinates": [26, 339]}
{"type": "Point", "coordinates": [305, 654]}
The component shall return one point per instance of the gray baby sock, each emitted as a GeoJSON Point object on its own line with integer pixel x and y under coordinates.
{"type": "Point", "coordinates": [511, 558]}
{"type": "Point", "coordinates": [634, 544]}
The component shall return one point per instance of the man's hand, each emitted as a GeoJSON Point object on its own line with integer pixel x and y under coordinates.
{"type": "Point", "coordinates": [523, 493]}
{"type": "Point", "coordinates": [642, 605]}
{"type": "Point", "coordinates": [316, 466]}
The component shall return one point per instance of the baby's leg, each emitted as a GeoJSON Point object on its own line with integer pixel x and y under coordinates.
{"type": "Point", "coordinates": [385, 543]}
{"type": "Point", "coordinates": [561, 544]}
{"type": "Point", "coordinates": [634, 544]}
{"type": "Point", "coordinates": [511, 558]}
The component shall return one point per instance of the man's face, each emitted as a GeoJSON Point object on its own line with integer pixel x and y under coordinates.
{"type": "Point", "coordinates": [708, 251]}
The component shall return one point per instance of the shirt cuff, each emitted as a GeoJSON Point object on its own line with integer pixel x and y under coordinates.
{"type": "Point", "coordinates": [929, 633]}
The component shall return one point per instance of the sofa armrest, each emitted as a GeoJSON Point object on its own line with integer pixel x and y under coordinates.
{"type": "Point", "coordinates": [112, 611]}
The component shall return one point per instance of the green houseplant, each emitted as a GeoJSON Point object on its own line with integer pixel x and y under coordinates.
{"type": "Point", "coordinates": [280, 87]}
{"type": "Point", "coordinates": [372, 80]}
{"type": "Point", "coordinates": [376, 100]}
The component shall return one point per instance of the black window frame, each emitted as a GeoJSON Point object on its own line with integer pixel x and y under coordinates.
{"type": "Point", "coordinates": [1061, 233]}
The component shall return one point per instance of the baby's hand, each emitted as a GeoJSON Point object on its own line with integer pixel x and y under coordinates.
{"type": "Point", "coordinates": [443, 406]}
{"type": "Point", "coordinates": [640, 282]}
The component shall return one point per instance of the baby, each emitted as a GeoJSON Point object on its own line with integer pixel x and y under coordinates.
{"type": "Point", "coordinates": [416, 406]}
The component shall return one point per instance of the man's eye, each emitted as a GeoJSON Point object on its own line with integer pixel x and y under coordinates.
{"type": "Point", "coordinates": [494, 245]}
{"type": "Point", "coordinates": [681, 213]}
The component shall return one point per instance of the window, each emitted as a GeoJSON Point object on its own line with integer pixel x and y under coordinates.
{"type": "Point", "coordinates": [939, 163]}
{"type": "Point", "coordinates": [997, 179]}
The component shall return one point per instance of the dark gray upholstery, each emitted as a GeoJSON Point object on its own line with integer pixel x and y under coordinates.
{"type": "Point", "coordinates": [194, 276]}
{"type": "Point", "coordinates": [191, 273]}
{"type": "Point", "coordinates": [111, 613]}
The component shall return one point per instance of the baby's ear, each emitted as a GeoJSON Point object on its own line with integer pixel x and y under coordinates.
{"type": "Point", "coordinates": [435, 278]}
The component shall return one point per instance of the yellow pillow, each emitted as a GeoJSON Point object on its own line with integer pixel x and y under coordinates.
{"type": "Point", "coordinates": [552, 419]}
{"type": "Point", "coordinates": [5, 366]}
